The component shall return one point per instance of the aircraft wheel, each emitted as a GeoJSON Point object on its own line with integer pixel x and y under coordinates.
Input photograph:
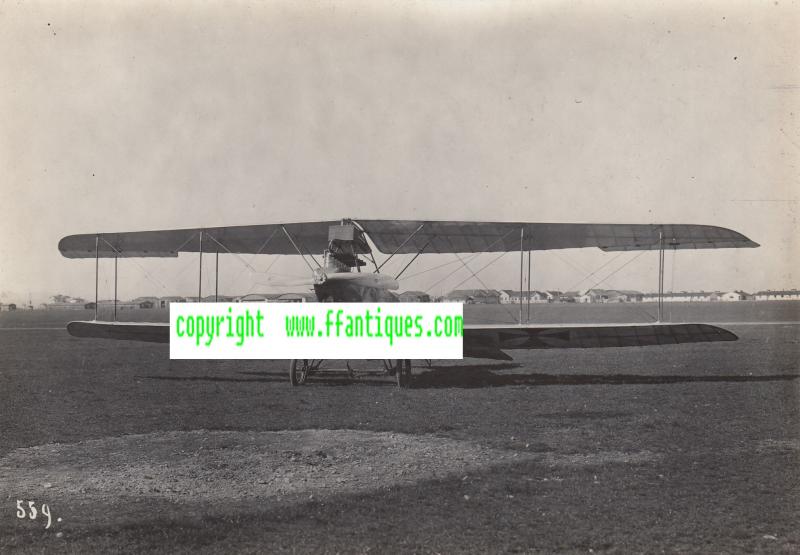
{"type": "Point", "coordinates": [403, 373]}
{"type": "Point", "coordinates": [298, 371]}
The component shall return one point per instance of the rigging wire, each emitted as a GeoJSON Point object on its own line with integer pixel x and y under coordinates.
{"type": "Point", "coordinates": [471, 258]}
{"type": "Point", "coordinates": [437, 282]}
{"type": "Point", "coordinates": [482, 268]}
{"type": "Point", "coordinates": [146, 273]}
{"type": "Point", "coordinates": [629, 306]}
{"type": "Point", "coordinates": [604, 280]}
{"type": "Point", "coordinates": [567, 261]}
{"type": "Point", "coordinates": [481, 281]}
{"type": "Point", "coordinates": [572, 288]}
{"type": "Point", "coordinates": [437, 267]}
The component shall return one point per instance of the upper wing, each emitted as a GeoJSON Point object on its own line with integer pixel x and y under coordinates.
{"type": "Point", "coordinates": [404, 236]}
{"type": "Point", "coordinates": [449, 237]}
{"type": "Point", "coordinates": [265, 239]}
{"type": "Point", "coordinates": [488, 341]}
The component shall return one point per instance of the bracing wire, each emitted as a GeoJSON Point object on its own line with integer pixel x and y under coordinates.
{"type": "Point", "coordinates": [437, 282]}
{"type": "Point", "coordinates": [470, 259]}
{"type": "Point", "coordinates": [450, 263]}
{"type": "Point", "coordinates": [585, 278]}
{"type": "Point", "coordinates": [475, 275]}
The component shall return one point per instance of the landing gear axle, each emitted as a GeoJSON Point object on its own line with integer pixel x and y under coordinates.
{"type": "Point", "coordinates": [300, 369]}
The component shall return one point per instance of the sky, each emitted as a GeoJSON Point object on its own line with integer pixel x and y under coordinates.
{"type": "Point", "coordinates": [132, 116]}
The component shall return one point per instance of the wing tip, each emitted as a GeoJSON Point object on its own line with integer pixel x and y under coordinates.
{"type": "Point", "coordinates": [69, 246]}
{"type": "Point", "coordinates": [152, 332]}
{"type": "Point", "coordinates": [722, 333]}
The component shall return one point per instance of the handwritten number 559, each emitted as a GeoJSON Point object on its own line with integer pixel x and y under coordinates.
{"type": "Point", "coordinates": [31, 512]}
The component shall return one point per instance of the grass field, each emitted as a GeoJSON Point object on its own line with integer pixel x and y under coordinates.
{"type": "Point", "coordinates": [678, 448]}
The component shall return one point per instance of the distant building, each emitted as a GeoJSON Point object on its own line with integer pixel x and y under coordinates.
{"type": "Point", "coordinates": [592, 296]}
{"type": "Point", "coordinates": [553, 296]}
{"type": "Point", "coordinates": [275, 298]}
{"type": "Point", "coordinates": [121, 305]}
{"type": "Point", "coordinates": [65, 305]}
{"type": "Point", "coordinates": [473, 296]}
{"type": "Point", "coordinates": [164, 302]}
{"type": "Point", "coordinates": [64, 302]}
{"type": "Point", "coordinates": [414, 297]}
{"type": "Point", "coordinates": [146, 302]}
{"type": "Point", "coordinates": [509, 296]}
{"type": "Point", "coordinates": [684, 297]}
{"type": "Point", "coordinates": [257, 298]}
{"type": "Point", "coordinates": [7, 307]}
{"type": "Point", "coordinates": [785, 295]}
{"type": "Point", "coordinates": [734, 296]}
{"type": "Point", "coordinates": [295, 298]}
{"type": "Point", "coordinates": [610, 296]}
{"type": "Point", "coordinates": [218, 299]}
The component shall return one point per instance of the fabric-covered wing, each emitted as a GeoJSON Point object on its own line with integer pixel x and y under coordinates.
{"type": "Point", "coordinates": [404, 236]}
{"type": "Point", "coordinates": [463, 237]}
{"type": "Point", "coordinates": [265, 239]}
{"type": "Point", "coordinates": [154, 332]}
{"type": "Point", "coordinates": [479, 341]}
{"type": "Point", "coordinates": [490, 341]}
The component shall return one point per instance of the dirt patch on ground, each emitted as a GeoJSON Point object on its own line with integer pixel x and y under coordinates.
{"type": "Point", "coordinates": [217, 466]}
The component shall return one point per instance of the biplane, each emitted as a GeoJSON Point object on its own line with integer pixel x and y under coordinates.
{"type": "Point", "coordinates": [346, 249]}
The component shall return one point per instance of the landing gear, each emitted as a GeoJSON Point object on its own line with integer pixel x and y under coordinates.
{"type": "Point", "coordinates": [301, 369]}
{"type": "Point", "coordinates": [403, 373]}
{"type": "Point", "coordinates": [298, 371]}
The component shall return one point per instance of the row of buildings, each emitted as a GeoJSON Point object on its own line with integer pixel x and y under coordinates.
{"type": "Point", "coordinates": [77, 303]}
{"type": "Point", "coordinates": [506, 296]}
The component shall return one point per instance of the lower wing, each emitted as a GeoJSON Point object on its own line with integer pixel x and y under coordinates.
{"type": "Point", "coordinates": [154, 332]}
{"type": "Point", "coordinates": [481, 341]}
{"type": "Point", "coordinates": [490, 341]}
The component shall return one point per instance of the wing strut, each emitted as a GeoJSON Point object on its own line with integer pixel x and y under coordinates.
{"type": "Point", "coordinates": [660, 273]}
{"type": "Point", "coordinates": [521, 261]}
{"type": "Point", "coordinates": [528, 319]}
{"type": "Point", "coordinates": [96, 272]}
{"type": "Point", "coordinates": [200, 272]}
{"type": "Point", "coordinates": [116, 258]}
{"type": "Point", "coordinates": [216, 277]}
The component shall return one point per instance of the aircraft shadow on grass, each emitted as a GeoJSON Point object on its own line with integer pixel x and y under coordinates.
{"type": "Point", "coordinates": [479, 375]}
{"type": "Point", "coordinates": [264, 379]}
{"type": "Point", "coordinates": [327, 377]}
{"type": "Point", "coordinates": [476, 376]}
